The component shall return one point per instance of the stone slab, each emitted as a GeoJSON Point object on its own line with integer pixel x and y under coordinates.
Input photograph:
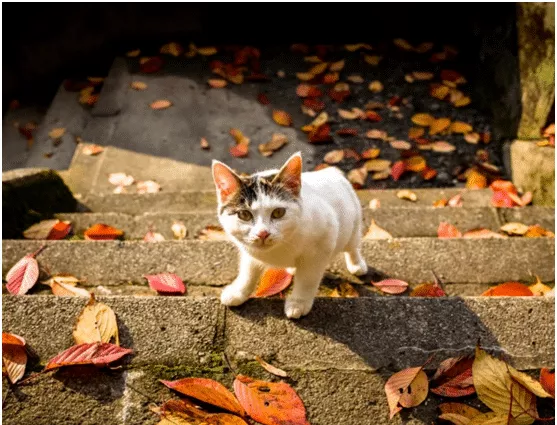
{"type": "Point", "coordinates": [543, 216]}
{"type": "Point", "coordinates": [159, 330]}
{"type": "Point", "coordinates": [113, 94]}
{"type": "Point", "coordinates": [392, 332]}
{"type": "Point", "coordinates": [195, 200]}
{"type": "Point", "coordinates": [215, 263]}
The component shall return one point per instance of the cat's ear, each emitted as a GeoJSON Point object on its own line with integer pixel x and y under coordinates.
{"type": "Point", "coordinates": [226, 180]}
{"type": "Point", "coordinates": [290, 175]}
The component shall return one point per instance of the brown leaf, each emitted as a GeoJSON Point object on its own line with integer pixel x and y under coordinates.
{"type": "Point", "coordinates": [372, 59]}
{"type": "Point", "coordinates": [304, 76]}
{"type": "Point", "coordinates": [453, 378]}
{"type": "Point", "coordinates": [14, 356]}
{"type": "Point", "coordinates": [320, 134]}
{"type": "Point", "coordinates": [416, 163]}
{"type": "Point", "coordinates": [204, 144]}
{"type": "Point", "coordinates": [373, 116]}
{"type": "Point", "coordinates": [270, 368]}
{"type": "Point", "coordinates": [377, 164]}
{"type": "Point", "coordinates": [439, 91]}
{"type": "Point", "coordinates": [148, 186]}
{"type": "Point", "coordinates": [102, 232]}
{"type": "Point", "coordinates": [357, 176]}
{"type": "Point", "coordinates": [207, 51]}
{"type": "Point", "coordinates": [345, 290]}
{"type": "Point", "coordinates": [447, 230]}
{"type": "Point", "coordinates": [319, 68]}
{"type": "Point", "coordinates": [150, 65]}
{"type": "Point", "coordinates": [91, 150]}
{"type": "Point", "coordinates": [481, 234]}
{"type": "Point", "coordinates": [439, 125]}
{"type": "Point", "coordinates": [356, 79]}
{"type": "Point", "coordinates": [430, 290]}
{"type": "Point", "coordinates": [272, 282]}
{"type": "Point", "coordinates": [391, 286]}
{"type": "Point", "coordinates": [96, 323]}
{"type": "Point", "coordinates": [423, 119]}
{"type": "Point", "coordinates": [442, 147]}
{"type": "Point", "coordinates": [537, 231]}
{"type": "Point", "coordinates": [402, 44]}
{"type": "Point", "coordinates": [337, 66]}
{"type": "Point", "coordinates": [66, 286]}
{"type": "Point", "coordinates": [277, 141]}
{"type": "Point", "coordinates": [334, 157]}
{"type": "Point", "coordinates": [282, 118]}
{"type": "Point", "coordinates": [356, 47]}
{"type": "Point", "coordinates": [406, 388]}
{"type": "Point", "coordinates": [376, 232]}
{"type": "Point", "coordinates": [401, 145]}
{"type": "Point", "coordinates": [56, 133]}
{"type": "Point", "coordinates": [98, 354]}
{"type": "Point", "coordinates": [422, 75]}
{"type": "Point", "coordinates": [376, 134]}
{"type": "Point", "coordinates": [138, 85]}
{"type": "Point", "coordinates": [452, 76]}
{"type": "Point", "coordinates": [270, 403]}
{"type": "Point", "coordinates": [172, 48]}
{"type": "Point", "coordinates": [161, 104]}
{"type": "Point", "coordinates": [347, 132]}
{"type": "Point", "coordinates": [515, 228]}
{"type": "Point", "coordinates": [428, 173]}
{"type": "Point", "coordinates": [415, 132]}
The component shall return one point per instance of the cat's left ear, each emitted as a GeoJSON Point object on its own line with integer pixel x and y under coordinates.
{"type": "Point", "coordinates": [290, 175]}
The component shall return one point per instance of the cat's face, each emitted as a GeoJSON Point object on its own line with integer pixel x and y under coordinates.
{"type": "Point", "coordinates": [260, 211]}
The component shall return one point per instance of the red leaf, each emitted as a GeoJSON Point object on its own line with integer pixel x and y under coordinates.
{"type": "Point", "coordinates": [24, 274]}
{"type": "Point", "coordinates": [395, 101]}
{"type": "Point", "coordinates": [547, 379]}
{"type": "Point", "coordinates": [502, 199]}
{"type": "Point", "coordinates": [347, 132]}
{"type": "Point", "coordinates": [239, 151]}
{"type": "Point", "coordinates": [166, 283]}
{"type": "Point", "coordinates": [272, 282]}
{"type": "Point", "coordinates": [95, 353]}
{"type": "Point", "coordinates": [60, 230]}
{"type": "Point", "coordinates": [398, 169]}
{"type": "Point", "coordinates": [391, 286]}
{"type": "Point", "coordinates": [504, 185]}
{"type": "Point", "coordinates": [428, 173]}
{"type": "Point", "coordinates": [454, 377]}
{"type": "Point", "coordinates": [270, 403]}
{"type": "Point", "coordinates": [338, 96]}
{"type": "Point", "coordinates": [151, 65]}
{"type": "Point", "coordinates": [509, 289]}
{"type": "Point", "coordinates": [428, 290]}
{"type": "Point", "coordinates": [373, 116]}
{"type": "Point", "coordinates": [320, 134]}
{"type": "Point", "coordinates": [102, 232]}
{"type": "Point", "coordinates": [207, 391]}
{"type": "Point", "coordinates": [447, 230]}
{"type": "Point", "coordinates": [314, 104]}
{"type": "Point", "coordinates": [263, 99]}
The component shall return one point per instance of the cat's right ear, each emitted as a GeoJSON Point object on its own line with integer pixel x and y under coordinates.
{"type": "Point", "coordinates": [226, 181]}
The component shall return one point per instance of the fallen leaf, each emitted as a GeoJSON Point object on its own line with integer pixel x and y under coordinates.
{"type": "Point", "coordinates": [320, 134]}
{"type": "Point", "coordinates": [314, 104]}
{"type": "Point", "coordinates": [422, 75]}
{"type": "Point", "coordinates": [442, 147]}
{"type": "Point", "coordinates": [547, 380]}
{"type": "Point", "coordinates": [166, 283]}
{"type": "Point", "coordinates": [401, 145]}
{"type": "Point", "coordinates": [161, 104]}
{"type": "Point", "coordinates": [453, 378]}
{"type": "Point", "coordinates": [460, 127]}
{"type": "Point", "coordinates": [24, 274]}
{"type": "Point", "coordinates": [148, 186]}
{"type": "Point", "coordinates": [537, 231]}
{"type": "Point", "coordinates": [481, 234]}
{"type": "Point", "coordinates": [102, 232]}
{"type": "Point", "coordinates": [476, 180]}
{"type": "Point", "coordinates": [53, 229]}
{"type": "Point", "coordinates": [308, 111]}
{"type": "Point", "coordinates": [381, 175]}
{"type": "Point", "coordinates": [179, 230]}
{"type": "Point", "coordinates": [514, 228]}
{"type": "Point", "coordinates": [439, 91]}
{"type": "Point", "coordinates": [207, 51]}
{"type": "Point", "coordinates": [270, 403]}
{"type": "Point", "coordinates": [263, 99]}
{"type": "Point", "coordinates": [428, 173]}
{"type": "Point", "coordinates": [305, 76]}
{"type": "Point", "coordinates": [66, 286]}
{"type": "Point", "coordinates": [95, 353]}
{"type": "Point", "coordinates": [204, 144]}
{"type": "Point", "coordinates": [376, 134]}
{"type": "Point", "coordinates": [398, 169]}
{"type": "Point", "coordinates": [151, 236]}
{"type": "Point", "coordinates": [91, 150]}
{"type": "Point", "coordinates": [270, 368]}
{"type": "Point", "coordinates": [428, 290]}
{"type": "Point", "coordinates": [391, 286]}
{"type": "Point", "coordinates": [372, 59]}
{"type": "Point", "coordinates": [272, 282]}
{"type": "Point", "coordinates": [239, 151]}
{"type": "Point", "coordinates": [422, 119]}
{"type": "Point", "coordinates": [371, 153]}
{"type": "Point", "coordinates": [14, 356]}
{"type": "Point", "coordinates": [356, 47]}
{"type": "Point", "coordinates": [349, 115]}
{"type": "Point", "coordinates": [96, 323]}
{"type": "Point", "coordinates": [538, 288]}
{"type": "Point", "coordinates": [56, 133]}
{"type": "Point", "coordinates": [331, 78]}
{"type": "Point", "coordinates": [282, 118]}
{"type": "Point", "coordinates": [416, 163]}
{"type": "Point", "coordinates": [150, 65]}
{"type": "Point", "coordinates": [407, 388]}
{"type": "Point", "coordinates": [319, 68]}
{"type": "Point", "coordinates": [133, 53]}
{"type": "Point", "coordinates": [357, 176]}
{"type": "Point", "coordinates": [278, 140]}
{"type": "Point", "coordinates": [345, 290]}
{"type": "Point", "coordinates": [447, 230]}
{"type": "Point", "coordinates": [172, 48]}
{"type": "Point", "coordinates": [374, 204]}
{"type": "Point", "coordinates": [496, 389]}
{"type": "Point", "coordinates": [508, 289]}
{"type": "Point", "coordinates": [453, 76]}
{"type": "Point", "coordinates": [375, 86]}
{"type": "Point", "coordinates": [458, 413]}
{"type": "Point", "coordinates": [373, 116]}
{"type": "Point", "coordinates": [138, 85]}
{"type": "Point", "coordinates": [356, 79]}
{"type": "Point", "coordinates": [120, 179]}
{"type": "Point", "coordinates": [472, 138]}
{"type": "Point", "coordinates": [415, 132]}
{"type": "Point", "coordinates": [377, 164]}
{"type": "Point", "coordinates": [334, 157]}
{"type": "Point", "coordinates": [376, 232]}
{"type": "Point", "coordinates": [337, 66]}
{"type": "Point", "coordinates": [217, 83]}
{"type": "Point", "coordinates": [407, 194]}
{"type": "Point", "coordinates": [439, 125]}
{"type": "Point", "coordinates": [213, 233]}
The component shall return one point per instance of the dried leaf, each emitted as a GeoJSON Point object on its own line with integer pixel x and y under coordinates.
{"type": "Point", "coordinates": [14, 356]}
{"type": "Point", "coordinates": [376, 134]}
{"type": "Point", "coordinates": [481, 234]}
{"type": "Point", "coordinates": [422, 75]}
{"type": "Point", "coordinates": [372, 59]}
{"type": "Point", "coordinates": [91, 150]}
{"type": "Point", "coordinates": [458, 413]}
{"type": "Point", "coordinates": [304, 76]}
{"type": "Point", "coordinates": [447, 230]}
{"type": "Point", "coordinates": [428, 290]}
{"type": "Point", "coordinates": [356, 47]}
{"type": "Point", "coordinates": [270, 403]}
{"type": "Point", "coordinates": [102, 232]}
{"type": "Point", "coordinates": [401, 145]}
{"type": "Point", "coordinates": [282, 118]}
{"type": "Point", "coordinates": [320, 134]}
{"type": "Point", "coordinates": [472, 138]}
{"type": "Point", "coordinates": [150, 65]}
{"type": "Point", "coordinates": [547, 380]}
{"type": "Point", "coordinates": [172, 48]}
{"type": "Point", "coordinates": [439, 91]}
{"type": "Point", "coordinates": [349, 115]}
{"type": "Point", "coordinates": [537, 231]}
{"type": "Point", "coordinates": [375, 86]}
{"type": "Point", "coordinates": [213, 233]}
{"type": "Point", "coordinates": [476, 180]}
{"type": "Point", "coordinates": [96, 323]}
{"type": "Point", "coordinates": [407, 194]}
{"type": "Point", "coordinates": [161, 104]}
{"type": "Point", "coordinates": [402, 44]}
{"type": "Point", "coordinates": [204, 144]}
{"type": "Point", "coordinates": [356, 79]}
{"type": "Point", "coordinates": [98, 354]}
{"type": "Point", "coordinates": [416, 163]}
{"type": "Point", "coordinates": [508, 289]}
{"type": "Point", "coordinates": [345, 290]}
{"type": "Point", "coordinates": [443, 147]}
{"type": "Point", "coordinates": [273, 282]}
{"type": "Point", "coordinates": [377, 164]}
{"type": "Point", "coordinates": [166, 283]}
{"type": "Point", "coordinates": [239, 151]}
{"type": "Point", "coordinates": [453, 76]}
{"type": "Point", "coordinates": [319, 68]}
{"type": "Point", "coordinates": [314, 104]}
{"type": "Point", "coordinates": [277, 141]}
{"type": "Point", "coordinates": [460, 127]}
{"type": "Point", "coordinates": [407, 388]}
{"type": "Point", "coordinates": [391, 286]}
{"type": "Point", "coordinates": [376, 232]}
{"type": "Point", "coordinates": [270, 368]}
{"type": "Point", "coordinates": [374, 204]}
{"type": "Point", "coordinates": [207, 51]}
{"type": "Point", "coordinates": [422, 119]}
{"type": "Point", "coordinates": [148, 186]}
{"type": "Point", "coordinates": [138, 85]}
{"type": "Point", "coordinates": [66, 286]}
{"type": "Point", "coordinates": [514, 228]}
{"type": "Point", "coordinates": [179, 230]}
{"type": "Point", "coordinates": [56, 133]}
{"type": "Point", "coordinates": [371, 153]}
{"type": "Point", "coordinates": [217, 83]}
{"type": "Point", "coordinates": [23, 275]}
{"type": "Point", "coordinates": [453, 378]}
{"type": "Point", "coordinates": [398, 169]}
{"type": "Point", "coordinates": [337, 66]}
{"type": "Point", "coordinates": [373, 116]}
{"type": "Point", "coordinates": [539, 289]}
{"type": "Point", "coordinates": [334, 157]}
{"type": "Point", "coordinates": [415, 132]}
{"type": "Point", "coordinates": [439, 125]}
{"type": "Point", "coordinates": [120, 179]}
{"type": "Point", "coordinates": [357, 176]}
{"type": "Point", "coordinates": [53, 229]}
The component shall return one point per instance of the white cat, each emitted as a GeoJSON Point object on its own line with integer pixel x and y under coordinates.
{"type": "Point", "coordinates": [286, 219]}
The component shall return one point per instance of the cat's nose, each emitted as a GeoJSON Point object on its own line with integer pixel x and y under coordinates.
{"type": "Point", "coordinates": [263, 234]}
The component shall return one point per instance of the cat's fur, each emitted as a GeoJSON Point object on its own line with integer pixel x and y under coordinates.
{"type": "Point", "coordinates": [322, 218]}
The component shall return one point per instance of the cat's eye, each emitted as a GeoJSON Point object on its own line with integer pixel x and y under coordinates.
{"type": "Point", "coordinates": [278, 213]}
{"type": "Point", "coordinates": [244, 215]}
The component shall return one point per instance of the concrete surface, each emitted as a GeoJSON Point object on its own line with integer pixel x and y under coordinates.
{"type": "Point", "coordinates": [214, 262]}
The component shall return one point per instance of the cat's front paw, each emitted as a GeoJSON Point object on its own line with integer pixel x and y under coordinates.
{"type": "Point", "coordinates": [232, 297]}
{"type": "Point", "coordinates": [358, 269]}
{"type": "Point", "coordinates": [294, 309]}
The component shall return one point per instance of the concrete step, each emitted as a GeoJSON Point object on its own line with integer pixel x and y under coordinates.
{"type": "Point", "coordinates": [214, 263]}
{"type": "Point", "coordinates": [418, 221]}
{"type": "Point", "coordinates": [350, 347]}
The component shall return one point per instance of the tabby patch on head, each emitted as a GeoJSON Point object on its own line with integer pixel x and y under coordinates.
{"type": "Point", "coordinates": [259, 209]}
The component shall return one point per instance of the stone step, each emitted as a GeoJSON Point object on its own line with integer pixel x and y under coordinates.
{"type": "Point", "coordinates": [399, 221]}
{"type": "Point", "coordinates": [350, 348]}
{"type": "Point", "coordinates": [214, 263]}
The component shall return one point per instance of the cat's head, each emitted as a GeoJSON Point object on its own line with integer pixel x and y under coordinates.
{"type": "Point", "coordinates": [262, 210]}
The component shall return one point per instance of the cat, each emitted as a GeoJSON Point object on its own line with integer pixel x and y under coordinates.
{"type": "Point", "coordinates": [288, 219]}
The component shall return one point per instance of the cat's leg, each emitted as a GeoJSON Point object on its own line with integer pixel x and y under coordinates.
{"type": "Point", "coordinates": [355, 263]}
{"type": "Point", "coordinates": [309, 274]}
{"type": "Point", "coordinates": [243, 286]}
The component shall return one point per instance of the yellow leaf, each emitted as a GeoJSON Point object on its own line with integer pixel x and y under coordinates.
{"type": "Point", "coordinates": [372, 60]}
{"type": "Point", "coordinates": [376, 232]}
{"type": "Point", "coordinates": [334, 157]}
{"type": "Point", "coordinates": [407, 194]}
{"type": "Point", "coordinates": [96, 323]}
{"type": "Point", "coordinates": [207, 51]}
{"type": "Point", "coordinates": [173, 49]}
{"type": "Point", "coordinates": [538, 288]}
{"type": "Point", "coordinates": [320, 68]}
{"type": "Point", "coordinates": [491, 418]}
{"type": "Point", "coordinates": [460, 127]}
{"type": "Point", "coordinates": [424, 120]}
{"type": "Point", "coordinates": [304, 76]}
{"type": "Point", "coordinates": [439, 91]}
{"type": "Point", "coordinates": [357, 176]}
{"type": "Point", "coordinates": [402, 44]}
{"type": "Point", "coordinates": [358, 46]}
{"type": "Point", "coordinates": [375, 86]}
{"type": "Point", "coordinates": [377, 164]}
{"type": "Point", "coordinates": [313, 59]}
{"type": "Point", "coordinates": [463, 101]}
{"type": "Point", "coordinates": [493, 383]}
{"type": "Point", "coordinates": [439, 125]}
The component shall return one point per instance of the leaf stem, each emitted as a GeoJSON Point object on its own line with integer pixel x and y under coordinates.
{"type": "Point", "coordinates": [38, 251]}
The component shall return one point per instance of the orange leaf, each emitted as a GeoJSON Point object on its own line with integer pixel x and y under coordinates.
{"type": "Point", "coordinates": [447, 230]}
{"type": "Point", "coordinates": [334, 157]}
{"type": "Point", "coordinates": [217, 83]}
{"type": "Point", "coordinates": [173, 49]}
{"type": "Point", "coordinates": [504, 185]}
{"type": "Point", "coordinates": [314, 104]}
{"type": "Point", "coordinates": [375, 86]}
{"type": "Point", "coordinates": [452, 76]}
{"type": "Point", "coordinates": [95, 353]}
{"type": "Point", "coordinates": [416, 163]}
{"type": "Point", "coordinates": [501, 199]}
{"type": "Point", "coordinates": [320, 68]}
{"type": "Point", "coordinates": [331, 78]}
{"type": "Point", "coordinates": [372, 59]}
{"type": "Point", "coordinates": [102, 232]}
{"type": "Point", "coordinates": [537, 231]}
{"type": "Point", "coordinates": [476, 180]}
{"type": "Point", "coordinates": [270, 403]}
{"type": "Point", "coordinates": [263, 99]}
{"type": "Point", "coordinates": [337, 66]}
{"type": "Point", "coordinates": [138, 85]}
{"type": "Point", "coordinates": [272, 282]}
{"type": "Point", "coordinates": [161, 104]}
{"type": "Point", "coordinates": [439, 125]}
{"type": "Point", "coordinates": [509, 289]}
{"type": "Point", "coordinates": [207, 391]}
{"type": "Point", "coordinates": [407, 388]}
{"type": "Point", "coordinates": [391, 286]}
{"type": "Point", "coordinates": [428, 173]}
{"type": "Point", "coordinates": [454, 378]}
{"type": "Point", "coordinates": [460, 127]}
{"type": "Point", "coordinates": [398, 169]}
{"type": "Point", "coordinates": [415, 132]}
{"type": "Point", "coordinates": [401, 145]}
{"type": "Point", "coordinates": [423, 119]}
{"type": "Point", "coordinates": [443, 147]}
{"type": "Point", "coordinates": [439, 91]}
{"type": "Point", "coordinates": [422, 76]}
{"type": "Point", "coordinates": [14, 356]}
{"type": "Point", "coordinates": [547, 379]}
{"type": "Point", "coordinates": [428, 290]}
{"type": "Point", "coordinates": [376, 134]}
{"type": "Point", "coordinates": [320, 134]}
{"type": "Point", "coordinates": [371, 153]}
{"type": "Point", "coordinates": [239, 150]}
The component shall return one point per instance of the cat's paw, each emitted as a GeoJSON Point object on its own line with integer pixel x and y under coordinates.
{"type": "Point", "coordinates": [357, 269]}
{"type": "Point", "coordinates": [294, 309]}
{"type": "Point", "coordinates": [232, 297]}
